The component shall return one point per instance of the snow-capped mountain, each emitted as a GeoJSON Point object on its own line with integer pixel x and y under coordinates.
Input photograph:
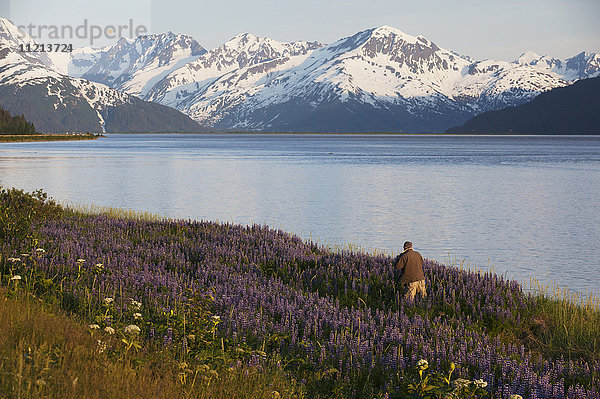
{"type": "Point", "coordinates": [582, 66]}
{"type": "Point", "coordinates": [569, 110]}
{"type": "Point", "coordinates": [134, 66]}
{"type": "Point", "coordinates": [31, 84]}
{"type": "Point", "coordinates": [350, 80]}
{"type": "Point", "coordinates": [180, 88]}
{"type": "Point", "coordinates": [77, 62]}
{"type": "Point", "coordinates": [11, 39]}
{"type": "Point", "coordinates": [378, 79]}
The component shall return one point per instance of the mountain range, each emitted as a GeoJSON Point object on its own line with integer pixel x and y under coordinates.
{"type": "Point", "coordinates": [31, 84]}
{"type": "Point", "coordinates": [573, 109]}
{"type": "Point", "coordinates": [376, 80]}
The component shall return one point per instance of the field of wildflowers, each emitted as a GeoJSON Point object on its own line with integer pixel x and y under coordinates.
{"type": "Point", "coordinates": [220, 296]}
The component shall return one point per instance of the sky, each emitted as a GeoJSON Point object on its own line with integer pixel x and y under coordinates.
{"type": "Point", "coordinates": [482, 29]}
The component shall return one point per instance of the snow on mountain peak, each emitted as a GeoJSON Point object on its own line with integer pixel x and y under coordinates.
{"type": "Point", "coordinates": [167, 44]}
{"type": "Point", "coordinates": [9, 33]}
{"type": "Point", "coordinates": [266, 47]}
{"type": "Point", "coordinates": [135, 66]}
{"type": "Point", "coordinates": [240, 40]}
{"type": "Point", "coordinates": [244, 52]}
{"type": "Point", "coordinates": [390, 42]}
{"type": "Point", "coordinates": [11, 38]}
{"type": "Point", "coordinates": [248, 78]}
{"type": "Point", "coordinates": [527, 57]}
{"type": "Point", "coordinates": [126, 40]}
{"type": "Point", "coordinates": [386, 30]}
{"type": "Point", "coordinates": [583, 65]}
{"type": "Point", "coordinates": [7, 25]}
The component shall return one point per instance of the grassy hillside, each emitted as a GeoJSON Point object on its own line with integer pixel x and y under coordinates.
{"type": "Point", "coordinates": [47, 353]}
{"type": "Point", "coordinates": [207, 299]}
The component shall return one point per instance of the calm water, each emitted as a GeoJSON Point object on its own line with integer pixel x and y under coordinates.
{"type": "Point", "coordinates": [524, 206]}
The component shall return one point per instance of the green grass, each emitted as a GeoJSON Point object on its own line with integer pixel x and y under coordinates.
{"type": "Point", "coordinates": [44, 353]}
{"type": "Point", "coordinates": [14, 138]}
{"type": "Point", "coordinates": [120, 213]}
{"type": "Point", "coordinates": [565, 323]}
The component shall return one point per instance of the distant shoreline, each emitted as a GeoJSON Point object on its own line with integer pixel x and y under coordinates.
{"type": "Point", "coordinates": [19, 138]}
{"type": "Point", "coordinates": [458, 135]}
{"type": "Point", "coordinates": [5, 138]}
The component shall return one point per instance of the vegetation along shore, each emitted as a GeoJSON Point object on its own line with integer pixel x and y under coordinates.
{"type": "Point", "coordinates": [16, 138]}
{"type": "Point", "coordinates": [18, 129]}
{"type": "Point", "coordinates": [118, 305]}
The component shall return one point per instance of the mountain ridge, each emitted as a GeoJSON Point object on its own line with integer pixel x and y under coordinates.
{"type": "Point", "coordinates": [31, 84]}
{"type": "Point", "coordinates": [564, 110]}
{"type": "Point", "coordinates": [378, 79]}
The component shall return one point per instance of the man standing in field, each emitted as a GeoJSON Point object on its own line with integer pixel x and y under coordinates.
{"type": "Point", "coordinates": [410, 265]}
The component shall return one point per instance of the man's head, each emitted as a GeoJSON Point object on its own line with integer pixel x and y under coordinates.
{"type": "Point", "coordinates": [407, 245]}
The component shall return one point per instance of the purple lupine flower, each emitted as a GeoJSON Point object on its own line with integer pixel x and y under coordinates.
{"type": "Point", "coordinates": [308, 300]}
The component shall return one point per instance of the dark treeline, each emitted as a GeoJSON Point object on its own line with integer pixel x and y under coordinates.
{"type": "Point", "coordinates": [14, 124]}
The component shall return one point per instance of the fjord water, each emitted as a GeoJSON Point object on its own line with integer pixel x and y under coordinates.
{"type": "Point", "coordinates": [524, 206]}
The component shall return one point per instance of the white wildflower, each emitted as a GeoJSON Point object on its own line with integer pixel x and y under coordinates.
{"type": "Point", "coordinates": [109, 330]}
{"type": "Point", "coordinates": [101, 346]}
{"type": "Point", "coordinates": [422, 364]}
{"type": "Point", "coordinates": [25, 255]}
{"type": "Point", "coordinates": [80, 260]}
{"type": "Point", "coordinates": [480, 383]}
{"type": "Point", "coordinates": [40, 250]}
{"type": "Point", "coordinates": [216, 319]}
{"type": "Point", "coordinates": [108, 301]}
{"type": "Point", "coordinates": [135, 303]}
{"type": "Point", "coordinates": [137, 316]}
{"type": "Point", "coordinates": [14, 259]}
{"type": "Point", "coordinates": [16, 277]}
{"type": "Point", "coordinates": [99, 265]}
{"type": "Point", "coordinates": [132, 329]}
{"type": "Point", "coordinates": [460, 383]}
{"type": "Point", "coordinates": [94, 326]}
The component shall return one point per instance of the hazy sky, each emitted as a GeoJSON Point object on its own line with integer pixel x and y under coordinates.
{"type": "Point", "coordinates": [479, 28]}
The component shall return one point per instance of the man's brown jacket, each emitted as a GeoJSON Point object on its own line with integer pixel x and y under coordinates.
{"type": "Point", "coordinates": [410, 264]}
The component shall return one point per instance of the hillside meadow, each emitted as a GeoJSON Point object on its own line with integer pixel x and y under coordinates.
{"type": "Point", "coordinates": [109, 303]}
